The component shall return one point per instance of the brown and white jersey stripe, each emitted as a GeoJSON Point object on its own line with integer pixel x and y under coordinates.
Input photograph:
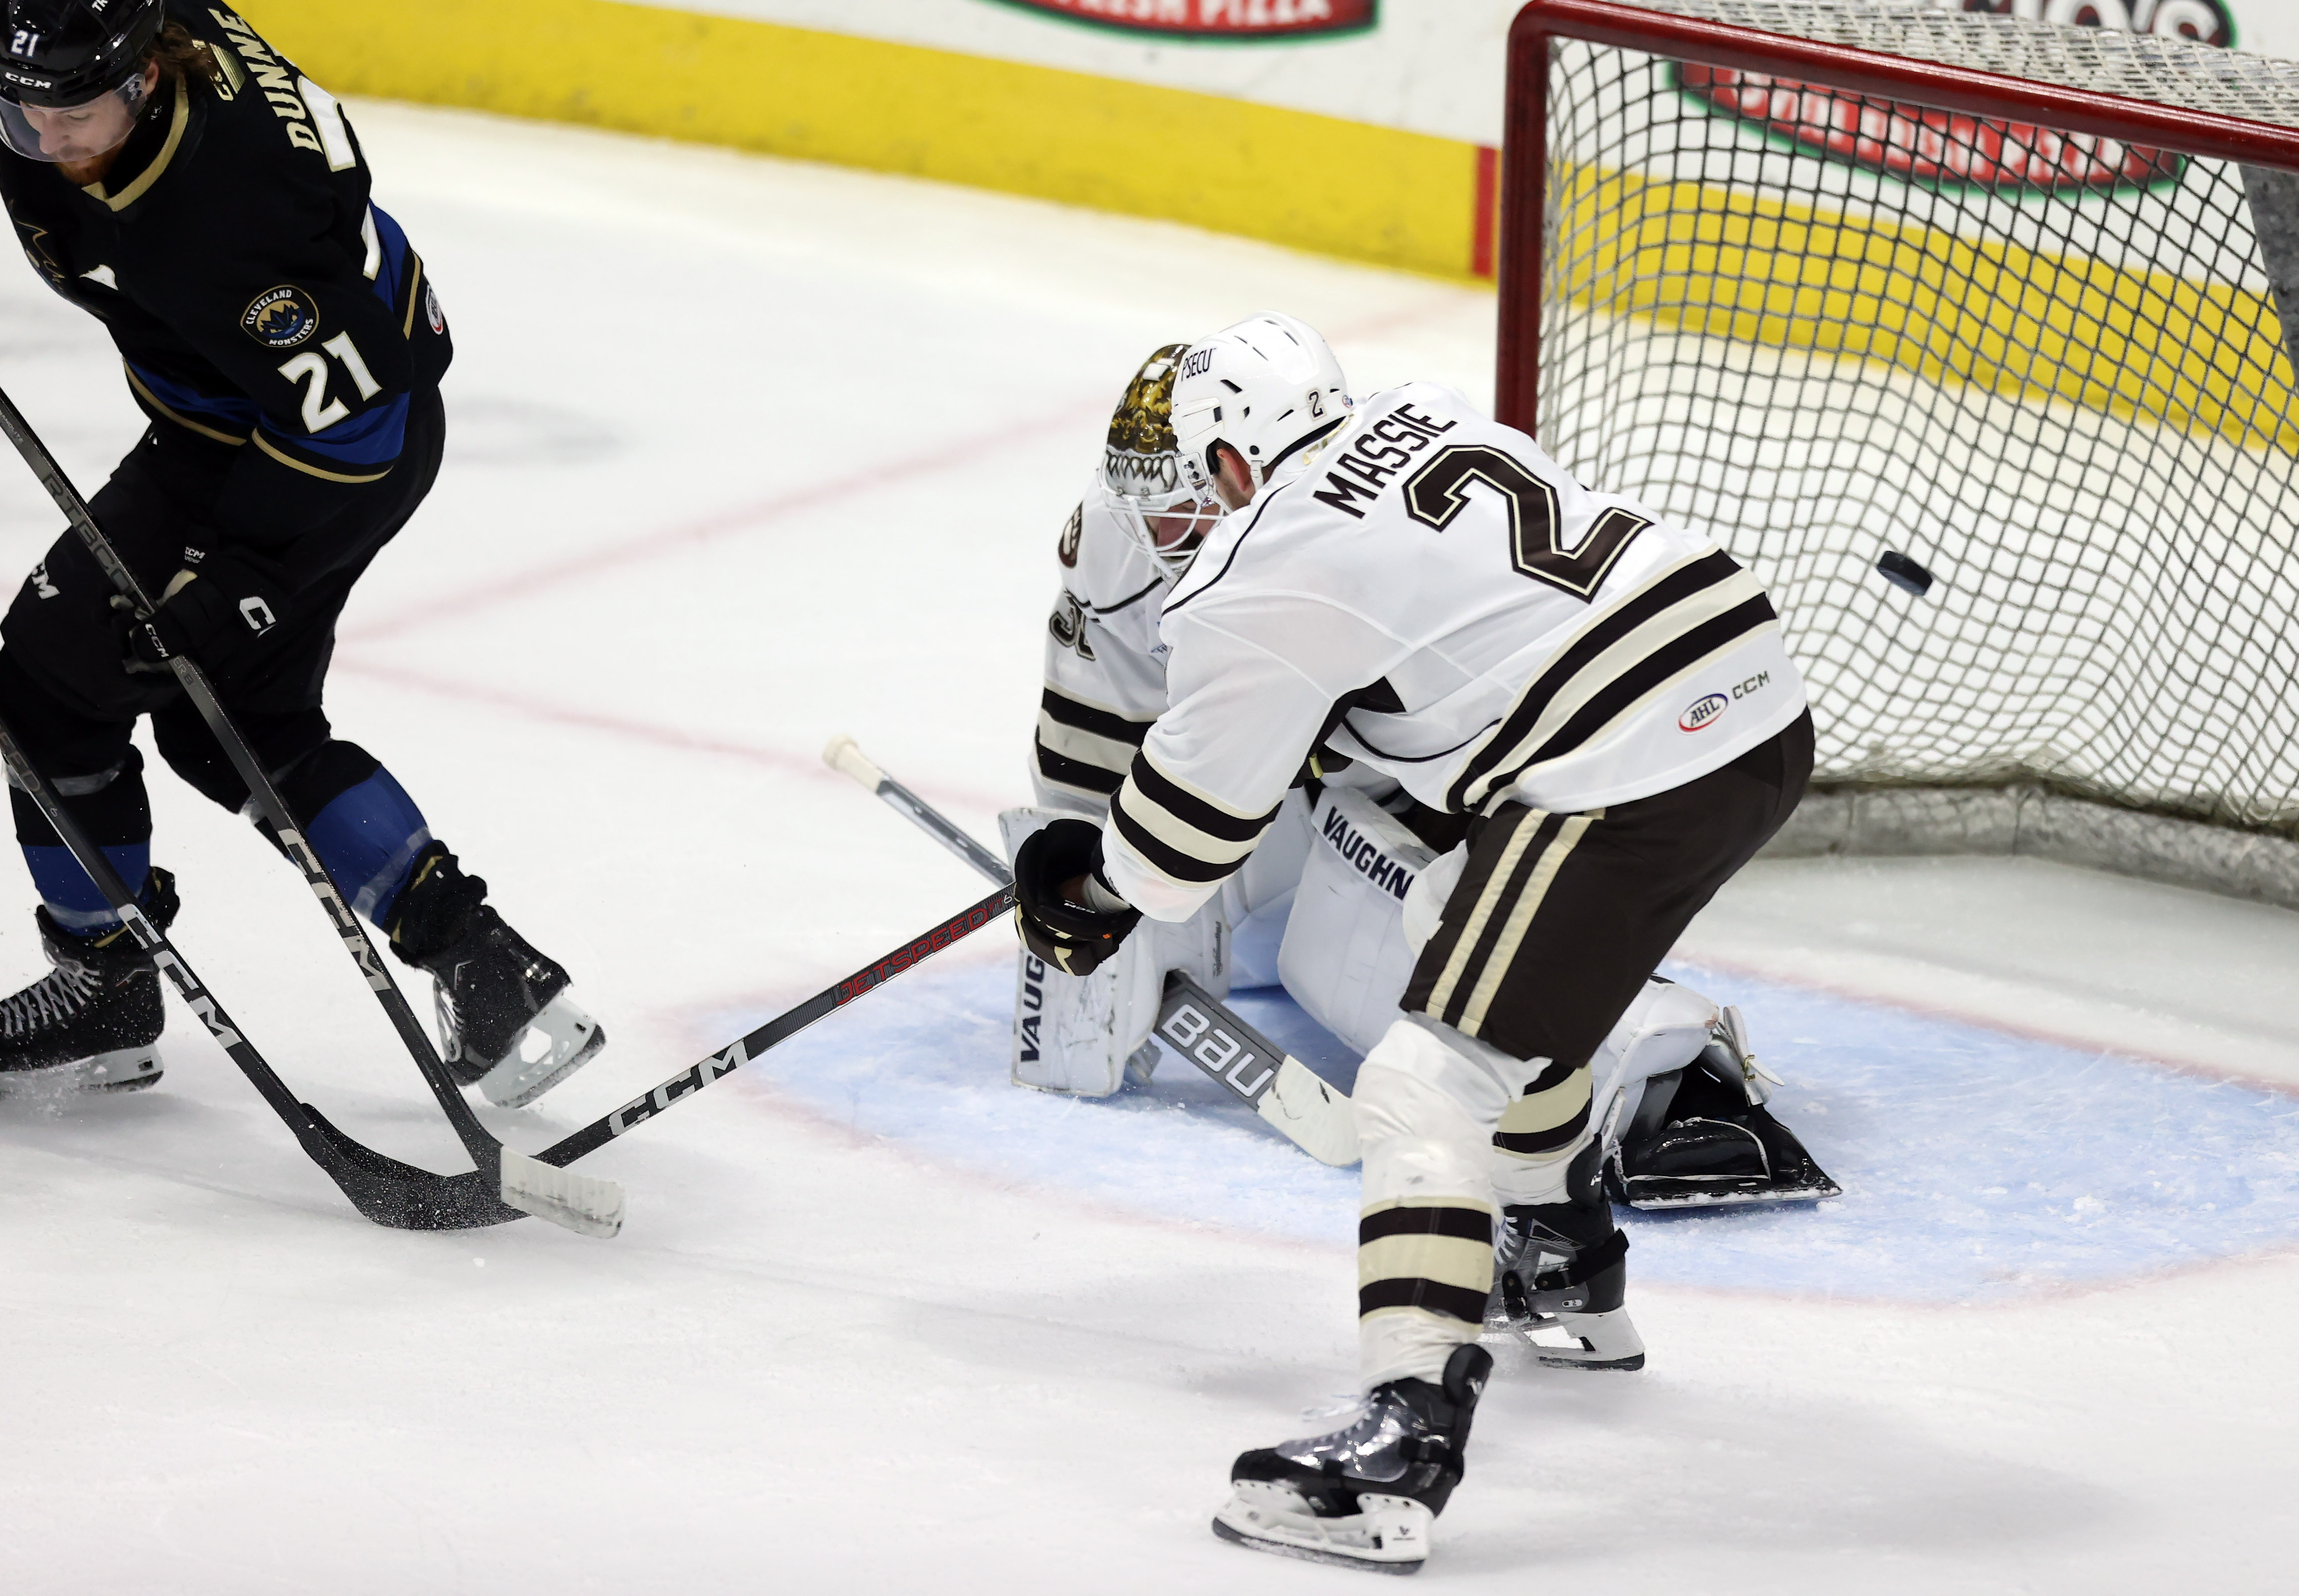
{"type": "Point", "coordinates": [1104, 666]}
{"type": "Point", "coordinates": [1428, 593]}
{"type": "Point", "coordinates": [1690, 613]}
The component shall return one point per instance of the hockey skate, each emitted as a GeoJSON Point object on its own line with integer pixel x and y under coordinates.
{"type": "Point", "coordinates": [1363, 1495]}
{"type": "Point", "coordinates": [506, 1023]}
{"type": "Point", "coordinates": [1705, 1139]}
{"type": "Point", "coordinates": [92, 1023]}
{"type": "Point", "coordinates": [1560, 1278]}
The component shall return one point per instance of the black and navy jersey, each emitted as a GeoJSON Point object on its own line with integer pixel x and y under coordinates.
{"type": "Point", "coordinates": [260, 300]}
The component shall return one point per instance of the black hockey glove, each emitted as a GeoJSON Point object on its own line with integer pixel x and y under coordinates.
{"type": "Point", "coordinates": [215, 614]}
{"type": "Point", "coordinates": [1072, 939]}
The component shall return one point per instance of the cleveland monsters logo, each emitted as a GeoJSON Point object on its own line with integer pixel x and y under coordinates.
{"type": "Point", "coordinates": [281, 317]}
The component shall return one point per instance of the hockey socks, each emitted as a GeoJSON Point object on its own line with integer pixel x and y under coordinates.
{"type": "Point", "coordinates": [112, 808]}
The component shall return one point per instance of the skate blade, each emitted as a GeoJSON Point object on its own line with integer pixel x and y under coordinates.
{"type": "Point", "coordinates": [1597, 1341]}
{"type": "Point", "coordinates": [1660, 1201]}
{"type": "Point", "coordinates": [556, 1043]}
{"type": "Point", "coordinates": [123, 1070]}
{"type": "Point", "coordinates": [582, 1204]}
{"type": "Point", "coordinates": [1389, 1537]}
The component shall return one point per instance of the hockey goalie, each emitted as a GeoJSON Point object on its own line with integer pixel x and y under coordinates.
{"type": "Point", "coordinates": [1334, 905]}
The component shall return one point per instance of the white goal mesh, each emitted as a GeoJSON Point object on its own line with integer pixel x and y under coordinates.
{"type": "Point", "coordinates": [2048, 366]}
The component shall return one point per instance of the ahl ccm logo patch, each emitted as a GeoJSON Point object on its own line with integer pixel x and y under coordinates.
{"type": "Point", "coordinates": [1702, 713]}
{"type": "Point", "coordinates": [281, 317]}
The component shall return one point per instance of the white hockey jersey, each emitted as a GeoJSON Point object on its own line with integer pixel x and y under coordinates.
{"type": "Point", "coordinates": [1430, 594]}
{"type": "Point", "coordinates": [1104, 664]}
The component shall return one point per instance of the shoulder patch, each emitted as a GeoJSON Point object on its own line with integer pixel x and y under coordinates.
{"type": "Point", "coordinates": [1066, 550]}
{"type": "Point", "coordinates": [281, 317]}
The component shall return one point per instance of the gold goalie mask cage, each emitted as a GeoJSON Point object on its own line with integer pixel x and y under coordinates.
{"type": "Point", "coordinates": [1141, 482]}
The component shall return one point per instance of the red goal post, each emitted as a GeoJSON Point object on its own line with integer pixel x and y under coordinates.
{"type": "Point", "coordinates": [2011, 302]}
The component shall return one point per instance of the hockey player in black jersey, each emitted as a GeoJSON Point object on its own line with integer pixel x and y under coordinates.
{"type": "Point", "coordinates": [173, 176]}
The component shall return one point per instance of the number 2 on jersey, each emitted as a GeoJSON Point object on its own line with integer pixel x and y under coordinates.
{"type": "Point", "coordinates": [1439, 491]}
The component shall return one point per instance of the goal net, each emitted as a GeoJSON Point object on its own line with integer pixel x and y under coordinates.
{"type": "Point", "coordinates": [1783, 277]}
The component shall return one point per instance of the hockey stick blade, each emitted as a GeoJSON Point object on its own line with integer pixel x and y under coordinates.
{"type": "Point", "coordinates": [403, 1196]}
{"type": "Point", "coordinates": [778, 1030]}
{"type": "Point", "coordinates": [381, 1188]}
{"type": "Point", "coordinates": [1317, 1116]}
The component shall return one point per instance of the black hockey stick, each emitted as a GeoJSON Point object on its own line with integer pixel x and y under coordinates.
{"type": "Point", "coordinates": [579, 1202]}
{"type": "Point", "coordinates": [781, 1029]}
{"type": "Point", "coordinates": [1312, 1113]}
{"type": "Point", "coordinates": [384, 1189]}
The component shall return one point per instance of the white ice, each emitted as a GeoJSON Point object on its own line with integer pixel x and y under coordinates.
{"type": "Point", "coordinates": [748, 453]}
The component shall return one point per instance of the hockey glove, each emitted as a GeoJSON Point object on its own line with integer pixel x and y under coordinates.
{"type": "Point", "coordinates": [1072, 939]}
{"type": "Point", "coordinates": [215, 614]}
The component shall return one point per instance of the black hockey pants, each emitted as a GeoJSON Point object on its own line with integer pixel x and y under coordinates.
{"type": "Point", "coordinates": [72, 705]}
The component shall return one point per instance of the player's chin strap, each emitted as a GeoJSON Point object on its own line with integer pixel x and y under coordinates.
{"type": "Point", "coordinates": [1316, 1115]}
{"type": "Point", "coordinates": [590, 1206]}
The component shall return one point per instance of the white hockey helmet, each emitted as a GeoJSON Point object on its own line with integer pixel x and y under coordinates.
{"type": "Point", "coordinates": [1267, 387]}
{"type": "Point", "coordinates": [1141, 481]}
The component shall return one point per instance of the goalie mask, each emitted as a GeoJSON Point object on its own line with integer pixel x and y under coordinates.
{"type": "Point", "coordinates": [1142, 484]}
{"type": "Point", "coordinates": [1269, 386]}
{"type": "Point", "coordinates": [72, 75]}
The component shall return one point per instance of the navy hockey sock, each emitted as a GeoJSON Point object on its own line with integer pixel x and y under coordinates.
{"type": "Point", "coordinates": [111, 806]}
{"type": "Point", "coordinates": [369, 837]}
{"type": "Point", "coordinates": [73, 902]}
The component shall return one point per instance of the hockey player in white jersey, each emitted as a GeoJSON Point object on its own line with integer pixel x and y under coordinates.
{"type": "Point", "coordinates": [1609, 700]}
{"type": "Point", "coordinates": [1319, 904]}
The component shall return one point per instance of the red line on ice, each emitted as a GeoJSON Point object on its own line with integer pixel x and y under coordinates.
{"type": "Point", "coordinates": [695, 535]}
{"type": "Point", "coordinates": [779, 760]}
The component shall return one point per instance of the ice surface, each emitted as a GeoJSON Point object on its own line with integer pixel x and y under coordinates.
{"type": "Point", "coordinates": [744, 454]}
{"type": "Point", "coordinates": [1977, 1166]}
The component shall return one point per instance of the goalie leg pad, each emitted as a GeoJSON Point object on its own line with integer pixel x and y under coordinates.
{"type": "Point", "coordinates": [1346, 958]}
{"type": "Point", "coordinates": [1085, 1035]}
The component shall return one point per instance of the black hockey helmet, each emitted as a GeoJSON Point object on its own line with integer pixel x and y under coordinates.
{"type": "Point", "coordinates": [66, 52]}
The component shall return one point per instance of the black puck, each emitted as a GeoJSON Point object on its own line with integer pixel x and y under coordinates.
{"type": "Point", "coordinates": [1904, 574]}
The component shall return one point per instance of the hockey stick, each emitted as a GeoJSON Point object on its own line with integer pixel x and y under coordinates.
{"type": "Point", "coordinates": [781, 1029]}
{"type": "Point", "coordinates": [577, 1201]}
{"type": "Point", "coordinates": [384, 1189]}
{"type": "Point", "coordinates": [1315, 1114]}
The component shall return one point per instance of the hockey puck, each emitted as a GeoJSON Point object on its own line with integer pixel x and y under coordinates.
{"type": "Point", "coordinates": [1904, 574]}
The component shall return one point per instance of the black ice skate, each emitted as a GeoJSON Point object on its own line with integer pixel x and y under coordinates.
{"type": "Point", "coordinates": [1363, 1495]}
{"type": "Point", "coordinates": [1705, 1138]}
{"type": "Point", "coordinates": [506, 1023]}
{"type": "Point", "coordinates": [91, 1024]}
{"type": "Point", "coordinates": [1560, 1278]}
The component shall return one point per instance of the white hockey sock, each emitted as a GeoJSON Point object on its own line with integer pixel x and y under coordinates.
{"type": "Point", "coordinates": [1425, 1114]}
